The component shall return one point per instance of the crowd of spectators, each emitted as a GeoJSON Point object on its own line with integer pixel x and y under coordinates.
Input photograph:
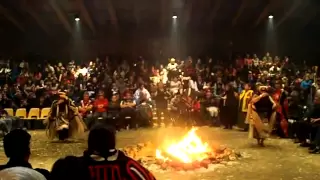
{"type": "Point", "coordinates": [183, 92]}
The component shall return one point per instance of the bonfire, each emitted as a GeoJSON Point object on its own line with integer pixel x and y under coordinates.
{"type": "Point", "coordinates": [189, 153]}
{"type": "Point", "coordinates": [188, 150]}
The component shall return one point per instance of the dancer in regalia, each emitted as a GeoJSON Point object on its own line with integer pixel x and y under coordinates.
{"type": "Point", "coordinates": [64, 120]}
{"type": "Point", "coordinates": [261, 115]}
{"type": "Point", "coordinates": [280, 97]}
{"type": "Point", "coordinates": [244, 100]}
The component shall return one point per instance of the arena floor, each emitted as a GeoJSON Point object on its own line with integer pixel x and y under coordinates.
{"type": "Point", "coordinates": [279, 160]}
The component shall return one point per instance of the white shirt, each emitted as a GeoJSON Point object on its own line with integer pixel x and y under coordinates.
{"type": "Point", "coordinates": [274, 68]}
{"type": "Point", "coordinates": [175, 86]}
{"type": "Point", "coordinates": [164, 76]}
{"type": "Point", "coordinates": [172, 67]}
{"type": "Point", "coordinates": [138, 93]}
{"type": "Point", "coordinates": [82, 71]}
{"type": "Point", "coordinates": [193, 85]}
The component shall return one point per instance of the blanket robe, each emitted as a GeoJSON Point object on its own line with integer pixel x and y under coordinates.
{"type": "Point", "coordinates": [67, 117]}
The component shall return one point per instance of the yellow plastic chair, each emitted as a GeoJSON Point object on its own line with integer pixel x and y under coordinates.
{"type": "Point", "coordinates": [9, 111]}
{"type": "Point", "coordinates": [21, 113]}
{"type": "Point", "coordinates": [44, 113]}
{"type": "Point", "coordinates": [34, 113]}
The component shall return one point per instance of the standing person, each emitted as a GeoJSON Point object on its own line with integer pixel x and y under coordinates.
{"type": "Point", "coordinates": [64, 119]}
{"type": "Point", "coordinates": [280, 97]}
{"type": "Point", "coordinates": [244, 100]}
{"type": "Point", "coordinates": [229, 112]}
{"type": "Point", "coordinates": [261, 110]}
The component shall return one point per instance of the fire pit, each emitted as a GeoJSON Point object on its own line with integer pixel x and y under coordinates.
{"type": "Point", "coordinates": [189, 153]}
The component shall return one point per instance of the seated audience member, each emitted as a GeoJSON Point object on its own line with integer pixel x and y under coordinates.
{"type": "Point", "coordinates": [16, 146]}
{"type": "Point", "coordinates": [20, 173]}
{"type": "Point", "coordinates": [85, 107]}
{"type": "Point", "coordinates": [100, 107]}
{"type": "Point", "coordinates": [113, 110]}
{"type": "Point", "coordinates": [68, 168]}
{"type": "Point", "coordinates": [127, 106]}
{"type": "Point", "coordinates": [309, 127]}
{"type": "Point", "coordinates": [102, 156]}
{"type": "Point", "coordinates": [315, 123]}
{"type": "Point", "coordinates": [138, 94]}
{"type": "Point", "coordinates": [8, 123]}
{"type": "Point", "coordinates": [175, 85]}
{"type": "Point", "coordinates": [144, 113]}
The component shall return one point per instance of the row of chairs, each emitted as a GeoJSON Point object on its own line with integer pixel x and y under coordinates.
{"type": "Point", "coordinates": [34, 113]}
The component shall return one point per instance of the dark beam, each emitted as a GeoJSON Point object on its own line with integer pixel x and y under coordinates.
{"type": "Point", "coordinates": [215, 10]}
{"type": "Point", "coordinates": [164, 14]}
{"type": "Point", "coordinates": [187, 11]}
{"type": "Point", "coordinates": [239, 12]}
{"type": "Point", "coordinates": [84, 11]}
{"type": "Point", "coordinates": [10, 17]}
{"type": "Point", "coordinates": [112, 14]}
{"type": "Point", "coordinates": [26, 6]}
{"type": "Point", "coordinates": [311, 14]}
{"type": "Point", "coordinates": [264, 13]}
{"type": "Point", "coordinates": [288, 13]}
{"type": "Point", "coordinates": [136, 11]}
{"type": "Point", "coordinates": [62, 17]}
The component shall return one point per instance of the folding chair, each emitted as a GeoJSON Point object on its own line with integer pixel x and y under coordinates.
{"type": "Point", "coordinates": [34, 113]}
{"type": "Point", "coordinates": [21, 113]}
{"type": "Point", "coordinates": [9, 111]}
{"type": "Point", "coordinates": [44, 113]}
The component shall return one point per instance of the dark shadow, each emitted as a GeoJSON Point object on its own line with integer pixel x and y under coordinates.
{"type": "Point", "coordinates": [266, 146]}
{"type": "Point", "coordinates": [64, 142]}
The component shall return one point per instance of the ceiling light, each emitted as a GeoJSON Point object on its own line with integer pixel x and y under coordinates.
{"type": "Point", "coordinates": [270, 17]}
{"type": "Point", "coordinates": [174, 17]}
{"type": "Point", "coordinates": [76, 18]}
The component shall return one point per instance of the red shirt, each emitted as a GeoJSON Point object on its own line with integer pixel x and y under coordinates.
{"type": "Point", "coordinates": [99, 102]}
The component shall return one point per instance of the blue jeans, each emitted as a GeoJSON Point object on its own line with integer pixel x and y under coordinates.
{"type": "Point", "coordinates": [92, 119]}
{"type": "Point", "coordinates": [10, 123]}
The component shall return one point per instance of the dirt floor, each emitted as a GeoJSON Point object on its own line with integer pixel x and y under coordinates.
{"type": "Point", "coordinates": [279, 160]}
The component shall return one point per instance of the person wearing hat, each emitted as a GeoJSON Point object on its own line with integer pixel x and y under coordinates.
{"type": "Point", "coordinates": [102, 156]}
{"type": "Point", "coordinates": [64, 120]}
{"type": "Point", "coordinates": [261, 110]}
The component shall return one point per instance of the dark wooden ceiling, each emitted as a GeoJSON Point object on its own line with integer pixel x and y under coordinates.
{"type": "Point", "coordinates": [54, 17]}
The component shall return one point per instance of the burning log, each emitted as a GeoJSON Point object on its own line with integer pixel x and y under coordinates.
{"type": "Point", "coordinates": [205, 163]}
{"type": "Point", "coordinates": [164, 166]}
{"type": "Point", "coordinates": [196, 165]}
{"type": "Point", "coordinates": [188, 167]}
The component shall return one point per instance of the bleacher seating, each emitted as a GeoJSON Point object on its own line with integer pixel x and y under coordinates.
{"type": "Point", "coordinates": [21, 113]}
{"type": "Point", "coordinates": [44, 113]}
{"type": "Point", "coordinates": [9, 111]}
{"type": "Point", "coordinates": [34, 113]}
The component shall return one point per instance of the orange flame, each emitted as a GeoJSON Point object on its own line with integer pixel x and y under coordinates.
{"type": "Point", "coordinates": [189, 149]}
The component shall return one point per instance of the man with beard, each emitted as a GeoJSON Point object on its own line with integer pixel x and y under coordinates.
{"type": "Point", "coordinates": [64, 120]}
{"type": "Point", "coordinates": [260, 111]}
